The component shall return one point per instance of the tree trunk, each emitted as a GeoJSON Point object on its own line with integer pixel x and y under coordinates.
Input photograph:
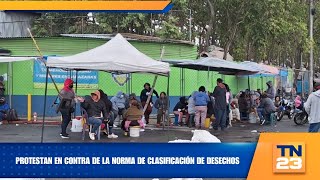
{"type": "Point", "coordinates": [230, 41]}
{"type": "Point", "coordinates": [211, 24]}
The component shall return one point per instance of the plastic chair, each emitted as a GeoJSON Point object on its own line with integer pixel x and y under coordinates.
{"type": "Point", "coordinates": [85, 124]}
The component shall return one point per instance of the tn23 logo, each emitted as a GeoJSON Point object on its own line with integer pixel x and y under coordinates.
{"type": "Point", "coordinates": [289, 158]}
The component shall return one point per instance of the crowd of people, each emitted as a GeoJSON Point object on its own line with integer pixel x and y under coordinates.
{"type": "Point", "coordinates": [219, 106]}
{"type": "Point", "coordinates": [102, 111]}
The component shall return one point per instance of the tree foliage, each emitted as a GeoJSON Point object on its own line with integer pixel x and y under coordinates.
{"type": "Point", "coordinates": [271, 31]}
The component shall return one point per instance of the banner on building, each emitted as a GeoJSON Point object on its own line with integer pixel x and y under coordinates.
{"type": "Point", "coordinates": [120, 79]}
{"type": "Point", "coordinates": [86, 79]}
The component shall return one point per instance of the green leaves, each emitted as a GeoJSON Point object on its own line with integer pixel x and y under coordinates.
{"type": "Point", "coordinates": [260, 30]}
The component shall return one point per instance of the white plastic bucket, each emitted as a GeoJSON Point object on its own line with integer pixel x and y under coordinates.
{"type": "Point", "coordinates": [76, 125]}
{"type": "Point", "coordinates": [134, 131]}
{"type": "Point", "coordinates": [252, 118]}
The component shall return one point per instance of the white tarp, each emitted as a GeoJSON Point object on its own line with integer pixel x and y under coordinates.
{"type": "Point", "coordinates": [4, 59]}
{"type": "Point", "coordinates": [199, 136]}
{"type": "Point", "coordinates": [117, 55]}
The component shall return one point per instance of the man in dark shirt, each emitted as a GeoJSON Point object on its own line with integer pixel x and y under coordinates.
{"type": "Point", "coordinates": [95, 107]}
{"type": "Point", "coordinates": [220, 107]}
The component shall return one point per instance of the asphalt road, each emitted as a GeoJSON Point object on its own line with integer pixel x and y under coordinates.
{"type": "Point", "coordinates": [237, 133]}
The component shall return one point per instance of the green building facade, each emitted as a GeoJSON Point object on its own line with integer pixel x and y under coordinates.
{"type": "Point", "coordinates": [22, 72]}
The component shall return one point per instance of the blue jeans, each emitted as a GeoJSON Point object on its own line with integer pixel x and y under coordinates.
{"type": "Point", "coordinates": [260, 113]}
{"type": "Point", "coordinates": [2, 116]}
{"type": "Point", "coordinates": [111, 121]}
{"type": "Point", "coordinates": [314, 128]}
{"type": "Point", "coordinates": [95, 122]}
{"type": "Point", "coordinates": [221, 119]}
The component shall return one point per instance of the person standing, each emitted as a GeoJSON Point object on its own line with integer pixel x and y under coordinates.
{"type": "Point", "coordinates": [220, 107]}
{"type": "Point", "coordinates": [191, 109]}
{"type": "Point", "coordinates": [312, 107]}
{"type": "Point", "coordinates": [68, 93]}
{"type": "Point", "coordinates": [270, 91]}
{"type": "Point", "coordinates": [162, 106]}
{"type": "Point", "coordinates": [229, 98]}
{"type": "Point", "coordinates": [145, 93]}
{"type": "Point", "coordinates": [201, 100]}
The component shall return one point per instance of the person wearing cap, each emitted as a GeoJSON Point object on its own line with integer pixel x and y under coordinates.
{"type": "Point", "coordinates": [95, 107]}
{"type": "Point", "coordinates": [4, 108]}
{"type": "Point", "coordinates": [312, 107]}
{"type": "Point", "coordinates": [270, 91]}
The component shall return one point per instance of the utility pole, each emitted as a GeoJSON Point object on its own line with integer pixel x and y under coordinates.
{"type": "Point", "coordinates": [311, 14]}
{"type": "Point", "coordinates": [190, 25]}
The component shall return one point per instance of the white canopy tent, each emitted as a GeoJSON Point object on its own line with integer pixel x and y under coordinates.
{"type": "Point", "coordinates": [9, 59]}
{"type": "Point", "coordinates": [117, 55]}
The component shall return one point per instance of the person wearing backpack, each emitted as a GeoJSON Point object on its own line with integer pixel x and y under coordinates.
{"type": "Point", "coordinates": [4, 109]}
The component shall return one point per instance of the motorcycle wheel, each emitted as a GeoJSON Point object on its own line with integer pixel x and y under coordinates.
{"type": "Point", "coordinates": [300, 119]}
{"type": "Point", "coordinates": [280, 115]}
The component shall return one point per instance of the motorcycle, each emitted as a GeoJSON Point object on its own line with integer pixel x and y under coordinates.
{"type": "Point", "coordinates": [286, 108]}
{"type": "Point", "coordinates": [301, 117]}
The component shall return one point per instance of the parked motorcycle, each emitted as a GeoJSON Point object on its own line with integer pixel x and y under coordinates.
{"type": "Point", "coordinates": [286, 108]}
{"type": "Point", "coordinates": [301, 117]}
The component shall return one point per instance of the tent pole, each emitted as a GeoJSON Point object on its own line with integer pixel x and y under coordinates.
{"type": "Point", "coordinates": [151, 92]}
{"type": "Point", "coordinates": [10, 83]}
{"type": "Point", "coordinates": [168, 105]}
{"type": "Point", "coordinates": [249, 83]}
{"type": "Point", "coordinates": [45, 104]}
{"type": "Point", "coordinates": [262, 90]}
{"type": "Point", "coordinates": [44, 62]}
{"type": "Point", "coordinates": [181, 83]}
{"type": "Point", "coordinates": [76, 81]}
{"type": "Point", "coordinates": [75, 111]}
{"type": "Point", "coordinates": [208, 76]}
{"type": "Point", "coordinates": [131, 79]}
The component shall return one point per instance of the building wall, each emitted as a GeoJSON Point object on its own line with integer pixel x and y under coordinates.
{"type": "Point", "coordinates": [23, 71]}
{"type": "Point", "coordinates": [13, 24]}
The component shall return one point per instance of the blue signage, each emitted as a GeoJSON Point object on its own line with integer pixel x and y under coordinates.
{"type": "Point", "coordinates": [86, 79]}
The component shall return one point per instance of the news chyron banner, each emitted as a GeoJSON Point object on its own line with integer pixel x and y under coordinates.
{"type": "Point", "coordinates": [86, 5]}
{"type": "Point", "coordinates": [291, 156]}
{"type": "Point", "coordinates": [275, 156]}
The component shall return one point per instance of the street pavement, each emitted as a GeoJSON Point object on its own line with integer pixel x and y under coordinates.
{"type": "Point", "coordinates": [240, 132]}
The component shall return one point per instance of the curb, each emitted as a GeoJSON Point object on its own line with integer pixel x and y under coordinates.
{"type": "Point", "coordinates": [33, 122]}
